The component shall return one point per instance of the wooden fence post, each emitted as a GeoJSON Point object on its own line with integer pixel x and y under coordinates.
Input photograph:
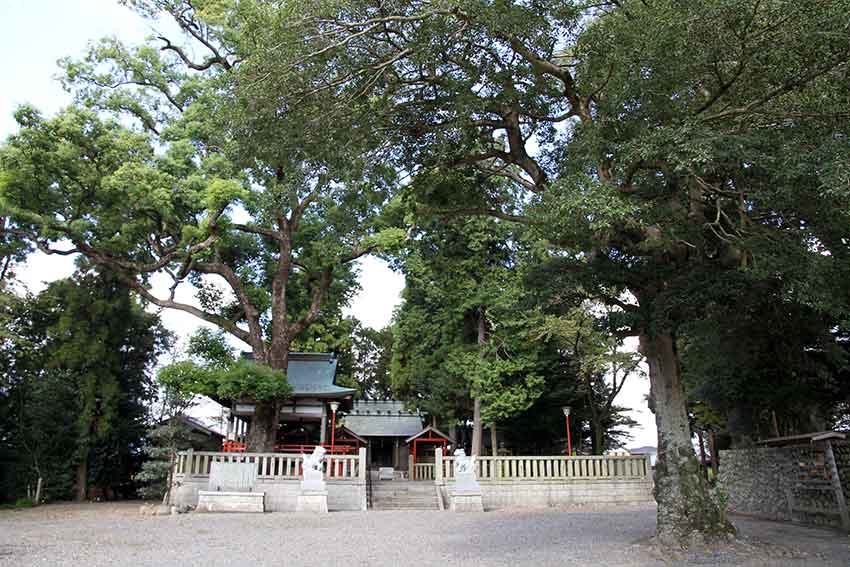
{"type": "Point", "coordinates": [438, 465]}
{"type": "Point", "coordinates": [836, 486]}
{"type": "Point", "coordinates": [361, 459]}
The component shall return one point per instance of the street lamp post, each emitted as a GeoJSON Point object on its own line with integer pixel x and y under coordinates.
{"type": "Point", "coordinates": [566, 410]}
{"type": "Point", "coordinates": [334, 406]}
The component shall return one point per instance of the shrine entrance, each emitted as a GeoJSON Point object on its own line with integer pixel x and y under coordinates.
{"type": "Point", "coordinates": [422, 445]}
{"type": "Point", "coordinates": [383, 452]}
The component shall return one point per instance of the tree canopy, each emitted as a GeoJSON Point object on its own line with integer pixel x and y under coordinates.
{"type": "Point", "coordinates": [675, 163]}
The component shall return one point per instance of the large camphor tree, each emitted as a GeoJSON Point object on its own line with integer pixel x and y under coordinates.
{"type": "Point", "coordinates": [658, 144]}
{"type": "Point", "coordinates": [206, 180]}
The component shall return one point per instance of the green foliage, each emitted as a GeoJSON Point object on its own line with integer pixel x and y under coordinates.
{"type": "Point", "coordinates": [24, 503]}
{"type": "Point", "coordinates": [76, 366]}
{"type": "Point", "coordinates": [211, 347]}
{"type": "Point", "coordinates": [488, 379]}
{"type": "Point", "coordinates": [239, 380]}
{"type": "Point", "coordinates": [168, 434]}
{"type": "Point", "coordinates": [602, 366]}
{"type": "Point", "coordinates": [373, 353]}
{"type": "Point", "coordinates": [456, 270]}
{"type": "Point", "coordinates": [762, 356]}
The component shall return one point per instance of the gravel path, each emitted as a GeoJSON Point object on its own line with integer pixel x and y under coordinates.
{"type": "Point", "coordinates": [94, 535]}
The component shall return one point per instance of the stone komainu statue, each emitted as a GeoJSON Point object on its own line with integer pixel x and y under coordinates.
{"type": "Point", "coordinates": [314, 460]}
{"type": "Point", "coordinates": [463, 463]}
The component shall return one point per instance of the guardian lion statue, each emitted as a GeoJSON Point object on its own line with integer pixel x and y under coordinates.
{"type": "Point", "coordinates": [314, 460]}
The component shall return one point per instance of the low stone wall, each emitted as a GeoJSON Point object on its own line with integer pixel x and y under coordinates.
{"type": "Point", "coordinates": [559, 492]}
{"type": "Point", "coordinates": [282, 495]}
{"type": "Point", "coordinates": [791, 483]}
{"type": "Point", "coordinates": [755, 480]}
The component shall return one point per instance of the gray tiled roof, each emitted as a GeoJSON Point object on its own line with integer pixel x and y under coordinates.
{"type": "Point", "coordinates": [312, 374]}
{"type": "Point", "coordinates": [382, 418]}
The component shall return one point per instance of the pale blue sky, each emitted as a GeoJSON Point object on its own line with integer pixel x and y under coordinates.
{"type": "Point", "coordinates": [34, 34]}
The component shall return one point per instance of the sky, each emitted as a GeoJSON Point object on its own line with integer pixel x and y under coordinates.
{"type": "Point", "coordinates": [34, 34]}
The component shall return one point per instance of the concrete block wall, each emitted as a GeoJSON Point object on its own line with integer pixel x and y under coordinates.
{"type": "Point", "coordinates": [553, 493]}
{"type": "Point", "coordinates": [282, 495]}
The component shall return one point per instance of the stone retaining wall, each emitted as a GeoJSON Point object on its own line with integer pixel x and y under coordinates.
{"type": "Point", "coordinates": [553, 493]}
{"type": "Point", "coordinates": [756, 479]}
{"type": "Point", "coordinates": [282, 495]}
{"type": "Point", "coordinates": [789, 483]}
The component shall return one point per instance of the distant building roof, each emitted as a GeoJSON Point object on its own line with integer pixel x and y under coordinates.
{"type": "Point", "coordinates": [804, 438]}
{"type": "Point", "coordinates": [197, 426]}
{"type": "Point", "coordinates": [382, 418]}
{"type": "Point", "coordinates": [312, 374]}
{"type": "Point", "coordinates": [645, 450]}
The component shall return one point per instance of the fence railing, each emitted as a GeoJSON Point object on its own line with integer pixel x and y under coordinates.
{"type": "Point", "coordinates": [423, 471]}
{"type": "Point", "coordinates": [271, 466]}
{"type": "Point", "coordinates": [549, 467]}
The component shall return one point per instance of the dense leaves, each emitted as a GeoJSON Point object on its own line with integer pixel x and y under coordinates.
{"type": "Point", "coordinates": [77, 382]}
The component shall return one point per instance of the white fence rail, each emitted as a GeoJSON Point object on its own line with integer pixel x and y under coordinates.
{"type": "Point", "coordinates": [549, 467]}
{"type": "Point", "coordinates": [423, 471]}
{"type": "Point", "coordinates": [271, 466]}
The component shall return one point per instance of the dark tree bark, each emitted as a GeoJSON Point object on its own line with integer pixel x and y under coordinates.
{"type": "Point", "coordinates": [477, 429]}
{"type": "Point", "coordinates": [684, 502]}
{"type": "Point", "coordinates": [263, 432]}
{"type": "Point", "coordinates": [262, 436]}
{"type": "Point", "coordinates": [81, 485]}
{"type": "Point", "coordinates": [476, 426]}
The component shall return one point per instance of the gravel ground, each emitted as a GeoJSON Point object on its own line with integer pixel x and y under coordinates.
{"type": "Point", "coordinates": [93, 535]}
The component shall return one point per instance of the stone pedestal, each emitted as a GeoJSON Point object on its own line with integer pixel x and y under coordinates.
{"type": "Point", "coordinates": [312, 501]}
{"type": "Point", "coordinates": [465, 495]}
{"type": "Point", "coordinates": [209, 501]}
{"type": "Point", "coordinates": [465, 501]}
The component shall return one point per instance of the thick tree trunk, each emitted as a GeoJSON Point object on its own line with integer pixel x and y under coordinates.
{"type": "Point", "coordinates": [262, 435]}
{"type": "Point", "coordinates": [598, 439]}
{"type": "Point", "coordinates": [684, 503]}
{"type": "Point", "coordinates": [477, 429]}
{"type": "Point", "coordinates": [494, 440]}
{"type": "Point", "coordinates": [596, 433]}
{"type": "Point", "coordinates": [82, 478]}
{"type": "Point", "coordinates": [476, 426]}
{"type": "Point", "coordinates": [263, 432]}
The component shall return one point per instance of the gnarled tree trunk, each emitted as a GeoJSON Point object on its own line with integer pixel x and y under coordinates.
{"type": "Point", "coordinates": [263, 431]}
{"type": "Point", "coordinates": [262, 435]}
{"type": "Point", "coordinates": [684, 503]}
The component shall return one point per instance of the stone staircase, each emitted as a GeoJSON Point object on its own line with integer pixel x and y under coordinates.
{"type": "Point", "coordinates": [404, 495]}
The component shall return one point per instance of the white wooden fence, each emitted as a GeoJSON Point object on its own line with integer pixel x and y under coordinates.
{"type": "Point", "coordinates": [271, 466]}
{"type": "Point", "coordinates": [546, 467]}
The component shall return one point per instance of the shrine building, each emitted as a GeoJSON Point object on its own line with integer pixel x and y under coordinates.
{"type": "Point", "coordinates": [321, 413]}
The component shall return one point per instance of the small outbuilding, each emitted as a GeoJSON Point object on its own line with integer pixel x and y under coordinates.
{"type": "Point", "coordinates": [385, 425]}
